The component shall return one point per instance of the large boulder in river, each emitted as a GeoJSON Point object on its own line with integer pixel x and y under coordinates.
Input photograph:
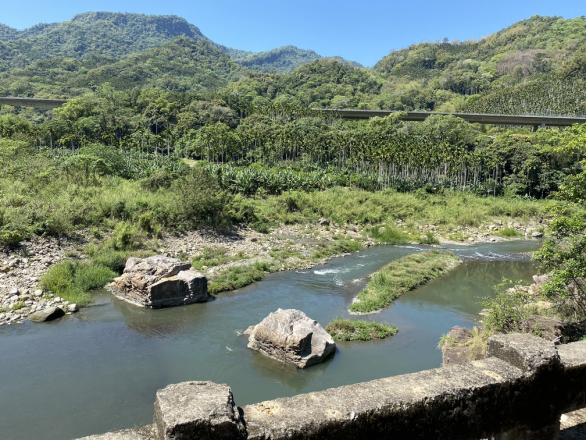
{"type": "Point", "coordinates": [160, 281]}
{"type": "Point", "coordinates": [291, 337]}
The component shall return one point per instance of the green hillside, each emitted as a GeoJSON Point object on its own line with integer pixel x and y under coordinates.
{"type": "Point", "coordinates": [94, 33]}
{"type": "Point", "coordinates": [182, 64]}
{"type": "Point", "coordinates": [116, 35]}
{"type": "Point", "coordinates": [442, 75]}
{"type": "Point", "coordinates": [284, 59]}
{"type": "Point", "coordinates": [533, 66]}
{"type": "Point", "coordinates": [323, 83]}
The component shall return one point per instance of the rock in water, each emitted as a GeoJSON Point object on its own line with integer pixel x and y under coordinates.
{"type": "Point", "coordinates": [49, 314]}
{"type": "Point", "coordinates": [291, 337]}
{"type": "Point", "coordinates": [160, 281]}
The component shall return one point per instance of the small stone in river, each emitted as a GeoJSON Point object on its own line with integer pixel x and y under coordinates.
{"type": "Point", "coordinates": [47, 315]}
{"type": "Point", "coordinates": [72, 308]}
{"type": "Point", "coordinates": [537, 234]}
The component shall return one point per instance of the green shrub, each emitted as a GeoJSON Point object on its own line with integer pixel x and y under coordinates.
{"type": "Point", "coordinates": [10, 237]}
{"type": "Point", "coordinates": [147, 223]}
{"type": "Point", "coordinates": [507, 312]}
{"type": "Point", "coordinates": [428, 238]}
{"type": "Point", "coordinates": [388, 234]}
{"type": "Point", "coordinates": [508, 233]}
{"type": "Point", "coordinates": [125, 237]}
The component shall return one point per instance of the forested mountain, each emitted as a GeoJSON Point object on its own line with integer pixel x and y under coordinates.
{"type": "Point", "coordinates": [95, 33]}
{"type": "Point", "coordinates": [284, 59]}
{"type": "Point", "coordinates": [7, 33]}
{"type": "Point", "coordinates": [323, 83]}
{"type": "Point", "coordinates": [440, 75]}
{"type": "Point", "coordinates": [530, 67]}
{"type": "Point", "coordinates": [182, 64]}
{"type": "Point", "coordinates": [115, 35]}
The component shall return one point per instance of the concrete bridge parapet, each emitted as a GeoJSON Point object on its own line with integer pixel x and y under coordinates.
{"type": "Point", "coordinates": [518, 392]}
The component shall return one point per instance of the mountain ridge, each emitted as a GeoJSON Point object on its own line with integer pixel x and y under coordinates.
{"type": "Point", "coordinates": [116, 35]}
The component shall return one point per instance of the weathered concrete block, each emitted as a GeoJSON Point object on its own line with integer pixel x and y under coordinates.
{"type": "Point", "coordinates": [460, 402]}
{"type": "Point", "coordinates": [141, 433]}
{"type": "Point", "coordinates": [291, 337]}
{"type": "Point", "coordinates": [573, 358]}
{"type": "Point", "coordinates": [197, 411]}
{"type": "Point", "coordinates": [525, 351]}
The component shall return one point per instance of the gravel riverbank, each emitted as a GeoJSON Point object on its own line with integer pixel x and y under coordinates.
{"type": "Point", "coordinates": [287, 247]}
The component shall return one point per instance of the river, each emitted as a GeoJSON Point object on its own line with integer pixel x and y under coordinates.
{"type": "Point", "coordinates": [98, 370]}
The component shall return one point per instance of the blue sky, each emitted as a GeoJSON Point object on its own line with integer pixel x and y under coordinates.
{"type": "Point", "coordinates": [362, 31]}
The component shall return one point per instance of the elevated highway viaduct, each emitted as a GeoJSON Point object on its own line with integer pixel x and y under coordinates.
{"type": "Point", "coordinates": [535, 121]}
{"type": "Point", "coordinates": [43, 104]}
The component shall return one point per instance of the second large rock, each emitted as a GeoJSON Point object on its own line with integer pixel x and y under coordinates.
{"type": "Point", "coordinates": [290, 336]}
{"type": "Point", "coordinates": [160, 281]}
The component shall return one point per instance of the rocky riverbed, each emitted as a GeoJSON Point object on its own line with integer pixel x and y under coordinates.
{"type": "Point", "coordinates": [20, 270]}
{"type": "Point", "coordinates": [285, 248]}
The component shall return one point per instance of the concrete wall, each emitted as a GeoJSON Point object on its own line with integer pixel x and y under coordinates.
{"type": "Point", "coordinates": [518, 392]}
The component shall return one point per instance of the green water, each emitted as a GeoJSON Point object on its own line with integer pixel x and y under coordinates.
{"type": "Point", "coordinates": [98, 370]}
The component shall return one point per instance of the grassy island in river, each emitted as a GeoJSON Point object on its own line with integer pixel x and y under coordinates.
{"type": "Point", "coordinates": [400, 276]}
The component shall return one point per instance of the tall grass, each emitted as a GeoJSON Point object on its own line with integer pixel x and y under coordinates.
{"type": "Point", "coordinates": [72, 280]}
{"type": "Point", "coordinates": [346, 205]}
{"type": "Point", "coordinates": [351, 330]}
{"type": "Point", "coordinates": [238, 276]}
{"type": "Point", "coordinates": [400, 276]}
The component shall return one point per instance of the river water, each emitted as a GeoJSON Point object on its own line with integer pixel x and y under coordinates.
{"type": "Point", "coordinates": [98, 370]}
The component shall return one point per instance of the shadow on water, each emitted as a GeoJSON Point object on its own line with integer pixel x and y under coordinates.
{"type": "Point", "coordinates": [104, 364]}
{"type": "Point", "coordinates": [296, 380]}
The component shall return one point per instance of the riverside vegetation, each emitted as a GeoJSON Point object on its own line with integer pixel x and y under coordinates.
{"type": "Point", "coordinates": [400, 276]}
{"type": "Point", "coordinates": [555, 305]}
{"type": "Point", "coordinates": [162, 140]}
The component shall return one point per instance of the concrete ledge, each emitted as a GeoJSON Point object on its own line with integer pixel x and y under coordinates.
{"type": "Point", "coordinates": [465, 400]}
{"type": "Point", "coordinates": [142, 433]}
{"type": "Point", "coordinates": [520, 392]}
{"type": "Point", "coordinates": [197, 410]}
{"type": "Point", "coordinates": [573, 358]}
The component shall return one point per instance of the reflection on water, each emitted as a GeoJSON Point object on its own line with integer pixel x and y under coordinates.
{"type": "Point", "coordinates": [99, 370]}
